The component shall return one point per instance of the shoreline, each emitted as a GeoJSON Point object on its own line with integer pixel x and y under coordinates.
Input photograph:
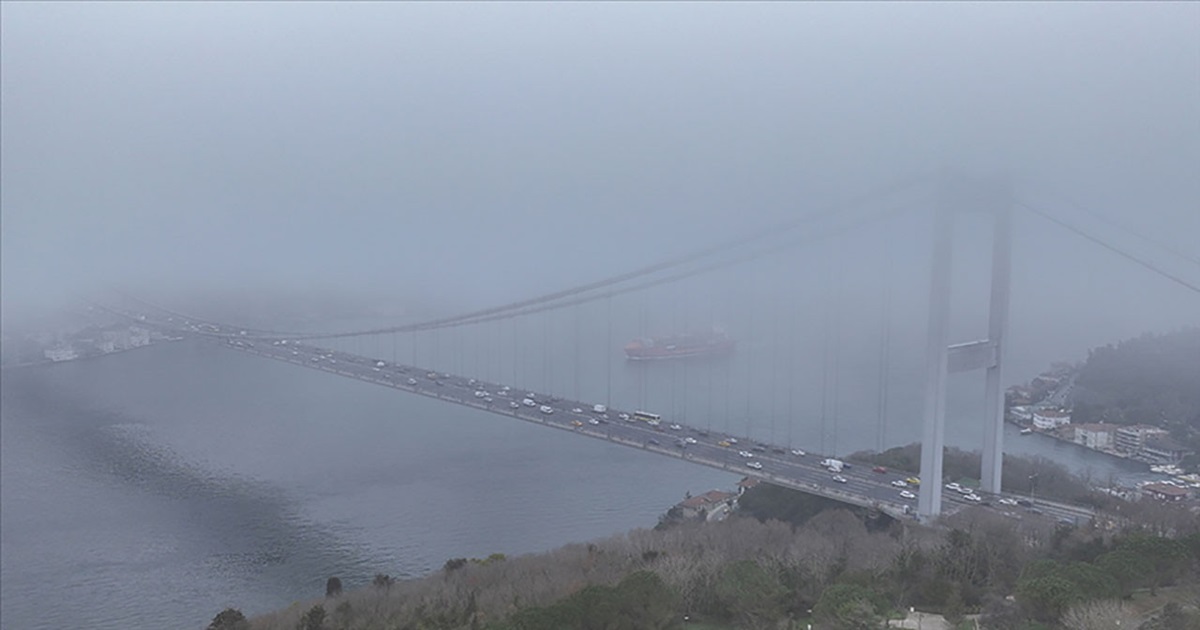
{"type": "Point", "coordinates": [44, 362]}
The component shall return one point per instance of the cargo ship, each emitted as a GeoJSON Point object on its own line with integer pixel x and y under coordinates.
{"type": "Point", "coordinates": [702, 344]}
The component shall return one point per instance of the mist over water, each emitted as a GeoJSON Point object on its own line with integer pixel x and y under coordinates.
{"type": "Point", "coordinates": [161, 485]}
{"type": "Point", "coordinates": [307, 166]}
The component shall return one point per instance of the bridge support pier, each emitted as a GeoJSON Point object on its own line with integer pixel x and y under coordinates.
{"type": "Point", "coordinates": [994, 198]}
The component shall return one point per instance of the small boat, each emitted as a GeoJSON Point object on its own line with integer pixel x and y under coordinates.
{"type": "Point", "coordinates": [1026, 431]}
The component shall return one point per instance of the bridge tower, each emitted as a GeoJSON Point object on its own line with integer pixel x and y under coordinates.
{"type": "Point", "coordinates": [956, 194]}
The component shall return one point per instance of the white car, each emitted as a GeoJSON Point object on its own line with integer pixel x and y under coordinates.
{"type": "Point", "coordinates": [798, 453]}
{"type": "Point", "coordinates": [514, 404]}
{"type": "Point", "coordinates": [593, 421]}
{"type": "Point", "coordinates": [962, 490]}
{"type": "Point", "coordinates": [754, 465]}
{"type": "Point", "coordinates": [731, 440]}
{"type": "Point", "coordinates": [412, 381]}
{"type": "Point", "coordinates": [745, 453]}
{"type": "Point", "coordinates": [839, 479]}
{"type": "Point", "coordinates": [900, 483]}
{"type": "Point", "coordinates": [952, 486]}
{"type": "Point", "coordinates": [689, 440]}
{"type": "Point", "coordinates": [577, 410]}
{"type": "Point", "coordinates": [546, 409]}
{"type": "Point", "coordinates": [907, 495]}
{"type": "Point", "coordinates": [480, 393]}
{"type": "Point", "coordinates": [528, 402]}
{"type": "Point", "coordinates": [973, 498]}
{"type": "Point", "coordinates": [624, 416]}
{"type": "Point", "coordinates": [1008, 501]}
{"type": "Point", "coordinates": [675, 427]}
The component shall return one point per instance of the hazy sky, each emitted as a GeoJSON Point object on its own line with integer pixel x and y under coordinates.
{"type": "Point", "coordinates": [493, 151]}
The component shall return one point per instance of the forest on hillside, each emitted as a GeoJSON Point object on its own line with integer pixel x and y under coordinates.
{"type": "Point", "coordinates": [825, 565]}
{"type": "Point", "coordinates": [1151, 379]}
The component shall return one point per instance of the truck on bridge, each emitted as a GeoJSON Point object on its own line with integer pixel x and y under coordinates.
{"type": "Point", "coordinates": [834, 465]}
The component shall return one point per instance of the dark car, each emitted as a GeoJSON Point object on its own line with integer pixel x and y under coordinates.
{"type": "Point", "coordinates": [653, 441]}
{"type": "Point", "coordinates": [879, 469]}
{"type": "Point", "coordinates": [1024, 503]}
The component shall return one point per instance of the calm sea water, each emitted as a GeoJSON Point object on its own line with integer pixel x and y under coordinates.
{"type": "Point", "coordinates": [153, 488]}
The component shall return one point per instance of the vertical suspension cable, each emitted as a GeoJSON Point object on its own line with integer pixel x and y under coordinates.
{"type": "Point", "coordinates": [753, 284]}
{"type": "Point", "coordinates": [837, 349]}
{"type": "Point", "coordinates": [728, 371]}
{"type": "Point", "coordinates": [642, 368]}
{"type": "Point", "coordinates": [674, 365]}
{"type": "Point", "coordinates": [687, 304]}
{"type": "Point", "coordinates": [575, 394]}
{"type": "Point", "coordinates": [547, 386]}
{"type": "Point", "coordinates": [608, 352]}
{"type": "Point", "coordinates": [710, 370]}
{"type": "Point", "coordinates": [774, 358]}
{"type": "Point", "coordinates": [825, 356]}
{"type": "Point", "coordinates": [791, 381]}
{"type": "Point", "coordinates": [884, 346]}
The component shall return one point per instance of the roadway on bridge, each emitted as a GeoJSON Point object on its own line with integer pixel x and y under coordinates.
{"type": "Point", "coordinates": [857, 483]}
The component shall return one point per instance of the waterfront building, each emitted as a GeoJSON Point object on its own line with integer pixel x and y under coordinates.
{"type": "Point", "coordinates": [713, 505]}
{"type": "Point", "coordinates": [1161, 449]}
{"type": "Point", "coordinates": [1165, 492]}
{"type": "Point", "coordinates": [1094, 436]}
{"type": "Point", "coordinates": [1130, 439]}
{"type": "Point", "coordinates": [1050, 419]}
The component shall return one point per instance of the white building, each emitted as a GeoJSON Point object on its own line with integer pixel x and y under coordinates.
{"type": "Point", "coordinates": [1050, 419]}
{"type": "Point", "coordinates": [1021, 412]}
{"type": "Point", "coordinates": [1095, 436]}
{"type": "Point", "coordinates": [1130, 439]}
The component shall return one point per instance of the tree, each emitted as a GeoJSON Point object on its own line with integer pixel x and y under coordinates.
{"type": "Point", "coordinates": [1047, 597]}
{"type": "Point", "coordinates": [383, 580]}
{"type": "Point", "coordinates": [1167, 557]}
{"type": "Point", "coordinates": [749, 593]}
{"type": "Point", "coordinates": [847, 607]}
{"type": "Point", "coordinates": [639, 602]}
{"type": "Point", "coordinates": [954, 609]}
{"type": "Point", "coordinates": [1106, 614]}
{"type": "Point", "coordinates": [1126, 568]}
{"type": "Point", "coordinates": [229, 619]}
{"type": "Point", "coordinates": [1001, 614]}
{"type": "Point", "coordinates": [314, 619]}
{"type": "Point", "coordinates": [333, 587]}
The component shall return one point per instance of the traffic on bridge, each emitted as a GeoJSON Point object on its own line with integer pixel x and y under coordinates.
{"type": "Point", "coordinates": [849, 482]}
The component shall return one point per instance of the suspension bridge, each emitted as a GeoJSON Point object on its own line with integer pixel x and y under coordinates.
{"type": "Point", "coordinates": [781, 409]}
